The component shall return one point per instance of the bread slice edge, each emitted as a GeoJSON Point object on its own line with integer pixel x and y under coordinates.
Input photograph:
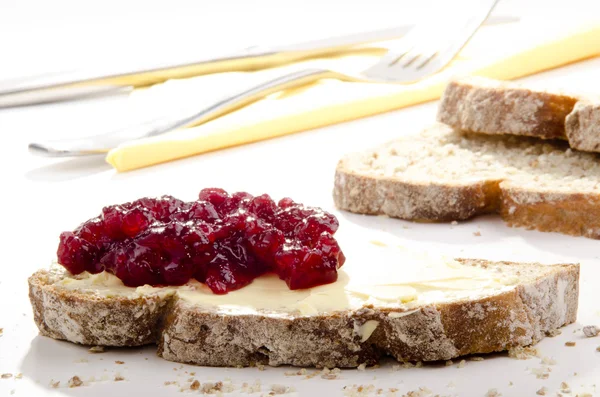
{"type": "Point", "coordinates": [191, 334]}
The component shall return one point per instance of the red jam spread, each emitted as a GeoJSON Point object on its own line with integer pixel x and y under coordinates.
{"type": "Point", "coordinates": [222, 240]}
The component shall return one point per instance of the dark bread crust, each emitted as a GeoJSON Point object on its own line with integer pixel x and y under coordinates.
{"type": "Point", "coordinates": [545, 299]}
{"type": "Point", "coordinates": [575, 214]}
{"type": "Point", "coordinates": [488, 106]}
{"type": "Point", "coordinates": [583, 126]}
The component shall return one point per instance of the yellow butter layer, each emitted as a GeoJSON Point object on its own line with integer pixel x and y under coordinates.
{"type": "Point", "coordinates": [381, 274]}
{"type": "Point", "coordinates": [503, 51]}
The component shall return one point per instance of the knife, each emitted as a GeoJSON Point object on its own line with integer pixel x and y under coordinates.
{"type": "Point", "coordinates": [77, 84]}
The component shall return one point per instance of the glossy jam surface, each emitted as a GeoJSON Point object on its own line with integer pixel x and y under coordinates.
{"type": "Point", "coordinates": [222, 240]}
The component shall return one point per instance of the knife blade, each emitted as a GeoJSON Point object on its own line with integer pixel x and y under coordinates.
{"type": "Point", "coordinates": [76, 84]}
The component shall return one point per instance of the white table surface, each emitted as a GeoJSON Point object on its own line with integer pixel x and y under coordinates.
{"type": "Point", "coordinates": [41, 197]}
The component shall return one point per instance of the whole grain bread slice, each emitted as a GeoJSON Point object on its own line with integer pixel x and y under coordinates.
{"type": "Point", "coordinates": [487, 106]}
{"type": "Point", "coordinates": [446, 175]}
{"type": "Point", "coordinates": [542, 299]}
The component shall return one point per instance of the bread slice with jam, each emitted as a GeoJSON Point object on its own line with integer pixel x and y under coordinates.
{"type": "Point", "coordinates": [386, 302]}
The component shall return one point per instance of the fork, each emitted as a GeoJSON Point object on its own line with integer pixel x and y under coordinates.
{"type": "Point", "coordinates": [418, 55]}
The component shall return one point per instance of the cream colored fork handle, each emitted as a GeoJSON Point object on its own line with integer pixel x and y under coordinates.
{"type": "Point", "coordinates": [100, 144]}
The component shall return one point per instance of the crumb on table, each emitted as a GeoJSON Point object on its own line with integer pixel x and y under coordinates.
{"type": "Point", "coordinates": [75, 381]}
{"type": "Point", "coordinates": [590, 331]}
{"type": "Point", "coordinates": [570, 343]}
{"type": "Point", "coordinates": [97, 349]}
{"type": "Point", "coordinates": [119, 362]}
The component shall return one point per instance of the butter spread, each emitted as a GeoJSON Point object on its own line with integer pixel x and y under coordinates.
{"type": "Point", "coordinates": [377, 273]}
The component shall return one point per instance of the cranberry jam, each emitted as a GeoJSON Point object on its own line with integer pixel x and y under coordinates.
{"type": "Point", "coordinates": [222, 240]}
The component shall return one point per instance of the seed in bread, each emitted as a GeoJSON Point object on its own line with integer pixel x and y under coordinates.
{"type": "Point", "coordinates": [582, 126]}
{"type": "Point", "coordinates": [487, 106]}
{"type": "Point", "coordinates": [445, 175]}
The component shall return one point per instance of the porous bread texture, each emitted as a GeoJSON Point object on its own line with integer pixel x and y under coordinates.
{"type": "Point", "coordinates": [478, 104]}
{"type": "Point", "coordinates": [544, 299]}
{"type": "Point", "coordinates": [583, 126]}
{"type": "Point", "coordinates": [446, 175]}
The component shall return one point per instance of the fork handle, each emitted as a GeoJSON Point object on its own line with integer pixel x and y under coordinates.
{"type": "Point", "coordinates": [100, 144]}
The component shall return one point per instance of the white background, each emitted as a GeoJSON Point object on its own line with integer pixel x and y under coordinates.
{"type": "Point", "coordinates": [41, 197]}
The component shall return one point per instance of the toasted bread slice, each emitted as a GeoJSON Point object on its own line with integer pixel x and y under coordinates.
{"type": "Point", "coordinates": [487, 106]}
{"type": "Point", "coordinates": [446, 317]}
{"type": "Point", "coordinates": [445, 175]}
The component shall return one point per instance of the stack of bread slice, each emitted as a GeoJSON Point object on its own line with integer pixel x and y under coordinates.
{"type": "Point", "coordinates": [498, 147]}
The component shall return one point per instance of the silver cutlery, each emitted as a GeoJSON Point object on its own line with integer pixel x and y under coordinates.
{"type": "Point", "coordinates": [76, 84]}
{"type": "Point", "coordinates": [420, 54]}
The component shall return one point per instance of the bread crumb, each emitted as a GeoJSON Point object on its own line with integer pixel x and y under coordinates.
{"type": "Point", "coordinates": [362, 367]}
{"type": "Point", "coordinates": [493, 393]}
{"type": "Point", "coordinates": [564, 387]}
{"type": "Point", "coordinates": [119, 377]}
{"type": "Point", "coordinates": [523, 353]}
{"type": "Point", "coordinates": [75, 382]}
{"type": "Point", "coordinates": [1, 331]}
{"type": "Point", "coordinates": [326, 373]}
{"type": "Point", "coordinates": [553, 332]}
{"type": "Point", "coordinates": [119, 362]}
{"type": "Point", "coordinates": [19, 376]}
{"type": "Point", "coordinates": [454, 223]}
{"type": "Point", "coordinates": [195, 385]}
{"type": "Point", "coordinates": [96, 349]}
{"type": "Point", "coordinates": [548, 361]}
{"type": "Point", "coordinates": [542, 372]}
{"type": "Point", "coordinates": [54, 384]}
{"type": "Point", "coordinates": [510, 383]}
{"type": "Point", "coordinates": [598, 349]}
{"type": "Point", "coordinates": [542, 391]}
{"type": "Point", "coordinates": [249, 389]}
{"type": "Point", "coordinates": [476, 358]}
{"type": "Point", "coordinates": [449, 363]}
{"type": "Point", "coordinates": [6, 376]}
{"type": "Point", "coordinates": [358, 390]}
{"type": "Point", "coordinates": [570, 343]}
{"type": "Point", "coordinates": [462, 363]}
{"type": "Point", "coordinates": [281, 389]}
{"type": "Point", "coordinates": [421, 392]}
{"type": "Point", "coordinates": [477, 234]}
{"type": "Point", "coordinates": [591, 330]}
{"type": "Point", "coordinates": [212, 388]}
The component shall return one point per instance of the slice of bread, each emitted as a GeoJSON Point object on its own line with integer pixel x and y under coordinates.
{"type": "Point", "coordinates": [487, 106]}
{"type": "Point", "coordinates": [445, 175]}
{"type": "Point", "coordinates": [529, 301]}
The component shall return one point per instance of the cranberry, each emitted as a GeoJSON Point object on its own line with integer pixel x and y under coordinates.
{"type": "Point", "coordinates": [223, 240]}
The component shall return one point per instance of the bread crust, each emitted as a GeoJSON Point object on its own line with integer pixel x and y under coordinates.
{"type": "Point", "coordinates": [582, 126]}
{"type": "Point", "coordinates": [477, 104]}
{"type": "Point", "coordinates": [545, 299]}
